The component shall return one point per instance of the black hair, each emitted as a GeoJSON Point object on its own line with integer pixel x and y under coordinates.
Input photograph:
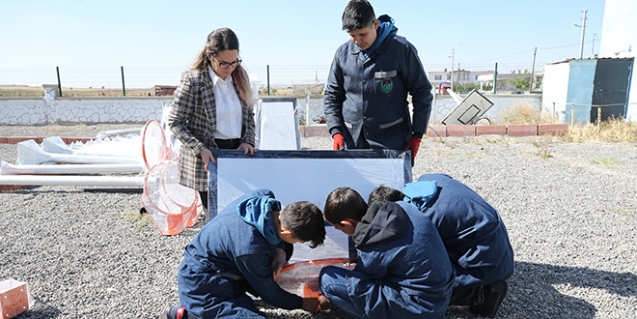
{"type": "Point", "coordinates": [358, 14]}
{"type": "Point", "coordinates": [384, 194]}
{"type": "Point", "coordinates": [305, 221]}
{"type": "Point", "coordinates": [342, 203]}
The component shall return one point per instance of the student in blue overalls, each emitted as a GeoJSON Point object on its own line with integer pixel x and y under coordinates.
{"type": "Point", "coordinates": [240, 251]}
{"type": "Point", "coordinates": [402, 271]}
{"type": "Point", "coordinates": [473, 233]}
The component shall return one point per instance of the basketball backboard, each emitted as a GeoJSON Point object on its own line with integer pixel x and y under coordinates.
{"type": "Point", "coordinates": [469, 110]}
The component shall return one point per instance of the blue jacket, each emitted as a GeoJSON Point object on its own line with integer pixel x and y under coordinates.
{"type": "Point", "coordinates": [226, 251]}
{"type": "Point", "coordinates": [403, 270]}
{"type": "Point", "coordinates": [369, 96]}
{"type": "Point", "coordinates": [473, 232]}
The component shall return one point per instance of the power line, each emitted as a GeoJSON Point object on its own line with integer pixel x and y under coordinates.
{"type": "Point", "coordinates": [561, 47]}
{"type": "Point", "coordinates": [525, 51]}
{"type": "Point", "coordinates": [502, 57]}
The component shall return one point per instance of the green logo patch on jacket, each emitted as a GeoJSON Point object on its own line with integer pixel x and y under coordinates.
{"type": "Point", "coordinates": [386, 85]}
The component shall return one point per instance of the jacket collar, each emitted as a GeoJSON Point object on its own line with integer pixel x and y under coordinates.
{"type": "Point", "coordinates": [381, 222]}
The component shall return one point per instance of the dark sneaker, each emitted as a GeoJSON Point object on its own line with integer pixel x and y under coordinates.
{"type": "Point", "coordinates": [493, 296]}
{"type": "Point", "coordinates": [173, 312]}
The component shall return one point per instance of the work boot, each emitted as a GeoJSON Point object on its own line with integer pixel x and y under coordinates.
{"type": "Point", "coordinates": [173, 312]}
{"type": "Point", "coordinates": [493, 296]}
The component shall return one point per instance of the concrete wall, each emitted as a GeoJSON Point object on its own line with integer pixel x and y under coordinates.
{"type": "Point", "coordinates": [53, 109]}
{"type": "Point", "coordinates": [24, 111]}
{"type": "Point", "coordinates": [444, 104]}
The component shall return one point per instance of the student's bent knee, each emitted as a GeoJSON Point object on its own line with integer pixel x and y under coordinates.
{"type": "Point", "coordinates": [330, 279]}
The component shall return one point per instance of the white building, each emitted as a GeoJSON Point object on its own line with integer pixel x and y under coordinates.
{"type": "Point", "coordinates": [618, 40]}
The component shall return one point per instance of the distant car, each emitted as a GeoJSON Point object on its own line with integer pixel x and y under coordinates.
{"type": "Point", "coordinates": [442, 87]}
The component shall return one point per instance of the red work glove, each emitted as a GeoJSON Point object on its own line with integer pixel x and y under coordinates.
{"type": "Point", "coordinates": [413, 145]}
{"type": "Point", "coordinates": [339, 141]}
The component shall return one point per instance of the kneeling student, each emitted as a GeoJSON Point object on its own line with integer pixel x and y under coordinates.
{"type": "Point", "coordinates": [473, 233]}
{"type": "Point", "coordinates": [240, 251]}
{"type": "Point", "coordinates": [402, 271]}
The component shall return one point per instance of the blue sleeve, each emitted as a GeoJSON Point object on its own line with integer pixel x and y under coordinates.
{"type": "Point", "coordinates": [257, 271]}
{"type": "Point", "coordinates": [334, 97]}
{"type": "Point", "coordinates": [419, 88]}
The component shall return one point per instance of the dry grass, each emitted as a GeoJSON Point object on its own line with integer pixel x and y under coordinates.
{"type": "Point", "coordinates": [21, 91]}
{"type": "Point", "coordinates": [520, 113]}
{"type": "Point", "coordinates": [611, 131]}
{"type": "Point", "coordinates": [38, 91]}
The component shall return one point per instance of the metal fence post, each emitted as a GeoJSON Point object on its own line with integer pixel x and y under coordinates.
{"type": "Point", "coordinates": [57, 69]}
{"type": "Point", "coordinates": [268, 71]}
{"type": "Point", "coordinates": [599, 118]}
{"type": "Point", "coordinates": [123, 84]}
{"type": "Point", "coordinates": [553, 114]}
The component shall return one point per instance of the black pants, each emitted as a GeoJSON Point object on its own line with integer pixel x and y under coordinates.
{"type": "Point", "coordinates": [228, 144]}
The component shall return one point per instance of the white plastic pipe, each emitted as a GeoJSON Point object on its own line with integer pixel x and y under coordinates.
{"type": "Point", "coordinates": [71, 180]}
{"type": "Point", "coordinates": [30, 153]}
{"type": "Point", "coordinates": [11, 169]}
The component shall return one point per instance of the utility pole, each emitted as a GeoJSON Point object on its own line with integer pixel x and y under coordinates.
{"type": "Point", "coordinates": [583, 26]}
{"type": "Point", "coordinates": [532, 71]}
{"type": "Point", "coordinates": [495, 79]}
{"type": "Point", "coordinates": [451, 56]}
{"type": "Point", "coordinates": [593, 48]}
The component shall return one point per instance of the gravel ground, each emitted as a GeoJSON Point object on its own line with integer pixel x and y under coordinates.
{"type": "Point", "coordinates": [571, 212]}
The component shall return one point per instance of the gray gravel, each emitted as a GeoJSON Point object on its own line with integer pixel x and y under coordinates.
{"type": "Point", "coordinates": [571, 212]}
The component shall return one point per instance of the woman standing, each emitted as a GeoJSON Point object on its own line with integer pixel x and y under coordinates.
{"type": "Point", "coordinates": [212, 110]}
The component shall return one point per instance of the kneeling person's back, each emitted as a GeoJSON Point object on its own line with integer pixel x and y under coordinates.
{"type": "Point", "coordinates": [403, 270]}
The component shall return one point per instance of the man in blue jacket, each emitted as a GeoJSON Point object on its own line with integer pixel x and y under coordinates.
{"type": "Point", "coordinates": [238, 252]}
{"type": "Point", "coordinates": [402, 271]}
{"type": "Point", "coordinates": [365, 100]}
{"type": "Point", "coordinates": [473, 233]}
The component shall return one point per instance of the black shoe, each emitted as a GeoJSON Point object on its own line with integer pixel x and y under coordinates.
{"type": "Point", "coordinates": [493, 296]}
{"type": "Point", "coordinates": [173, 312]}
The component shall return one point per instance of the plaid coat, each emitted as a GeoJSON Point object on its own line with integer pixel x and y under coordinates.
{"type": "Point", "coordinates": [193, 120]}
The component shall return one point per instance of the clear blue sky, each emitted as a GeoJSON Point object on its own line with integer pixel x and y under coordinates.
{"type": "Point", "coordinates": [158, 33]}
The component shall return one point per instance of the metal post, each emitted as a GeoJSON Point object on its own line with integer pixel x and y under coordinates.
{"type": "Point", "coordinates": [495, 79]}
{"type": "Point", "coordinates": [599, 118]}
{"type": "Point", "coordinates": [268, 70]}
{"type": "Point", "coordinates": [572, 114]}
{"type": "Point", "coordinates": [307, 106]}
{"type": "Point", "coordinates": [583, 26]}
{"type": "Point", "coordinates": [452, 56]}
{"type": "Point", "coordinates": [532, 71]}
{"type": "Point", "coordinates": [59, 83]}
{"type": "Point", "coordinates": [123, 84]}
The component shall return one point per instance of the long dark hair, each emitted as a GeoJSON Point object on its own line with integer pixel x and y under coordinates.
{"type": "Point", "coordinates": [221, 40]}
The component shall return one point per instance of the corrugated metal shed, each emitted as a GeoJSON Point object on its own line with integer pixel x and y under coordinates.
{"type": "Point", "coordinates": [591, 84]}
